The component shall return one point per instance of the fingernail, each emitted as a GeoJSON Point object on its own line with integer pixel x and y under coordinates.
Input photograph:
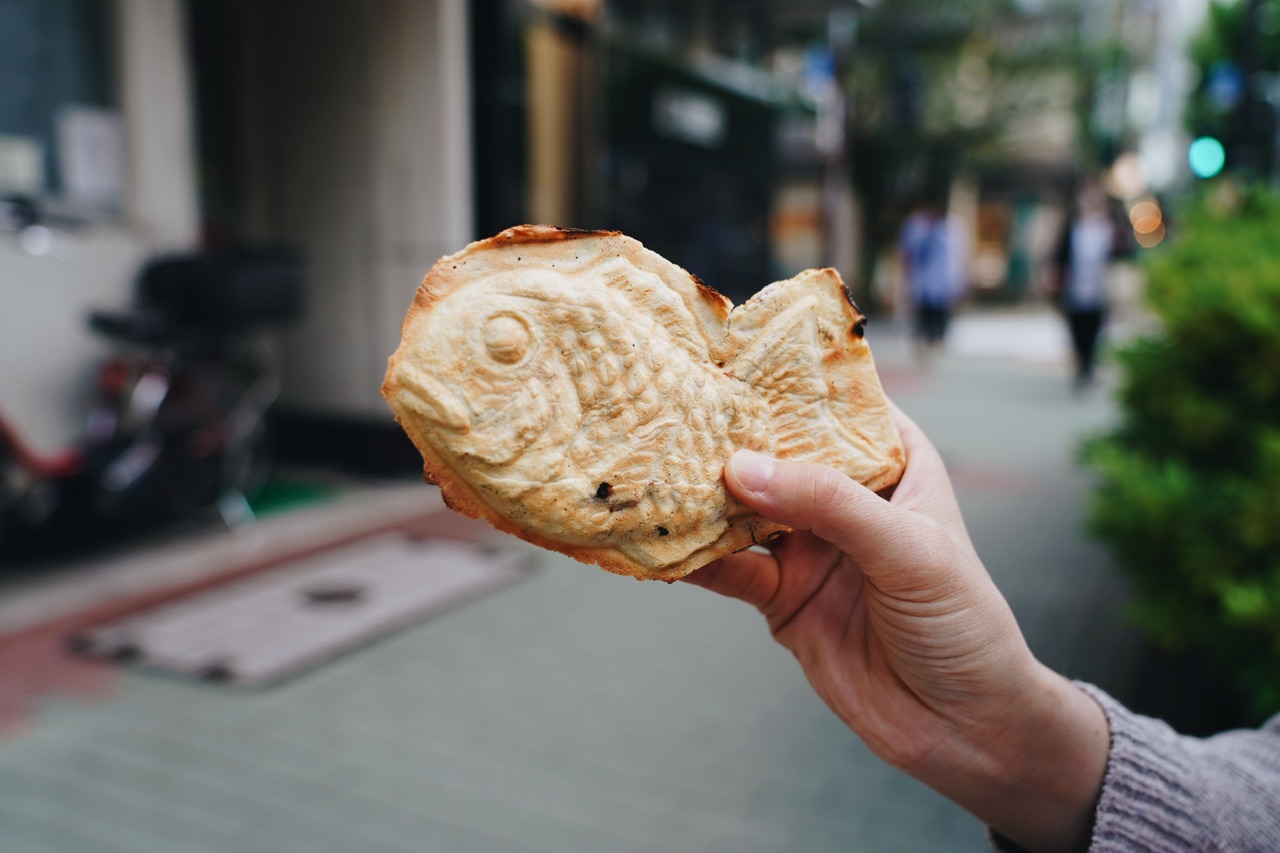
{"type": "Point", "coordinates": [752, 469]}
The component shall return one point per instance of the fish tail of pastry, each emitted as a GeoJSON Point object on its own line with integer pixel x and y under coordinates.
{"type": "Point", "coordinates": [782, 363]}
{"type": "Point", "coordinates": [801, 344]}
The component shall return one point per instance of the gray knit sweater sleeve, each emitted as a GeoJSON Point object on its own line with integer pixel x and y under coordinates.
{"type": "Point", "coordinates": [1169, 792]}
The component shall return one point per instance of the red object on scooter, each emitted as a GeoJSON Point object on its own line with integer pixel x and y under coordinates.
{"type": "Point", "coordinates": [50, 466]}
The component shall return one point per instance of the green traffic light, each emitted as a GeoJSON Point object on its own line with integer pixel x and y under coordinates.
{"type": "Point", "coordinates": [1206, 156]}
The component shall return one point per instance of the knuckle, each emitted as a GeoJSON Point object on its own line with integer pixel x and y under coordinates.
{"type": "Point", "coordinates": [756, 590]}
{"type": "Point", "coordinates": [825, 490]}
{"type": "Point", "coordinates": [939, 563]}
{"type": "Point", "coordinates": [935, 539]}
{"type": "Point", "coordinates": [828, 506]}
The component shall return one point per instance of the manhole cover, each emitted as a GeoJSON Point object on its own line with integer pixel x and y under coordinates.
{"type": "Point", "coordinates": [279, 623]}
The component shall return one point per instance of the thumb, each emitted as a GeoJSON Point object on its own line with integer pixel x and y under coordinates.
{"type": "Point", "coordinates": [879, 536]}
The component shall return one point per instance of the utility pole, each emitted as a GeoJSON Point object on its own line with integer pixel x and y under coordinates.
{"type": "Point", "coordinates": [1248, 127]}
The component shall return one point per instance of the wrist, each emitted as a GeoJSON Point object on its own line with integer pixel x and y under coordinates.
{"type": "Point", "coordinates": [1033, 772]}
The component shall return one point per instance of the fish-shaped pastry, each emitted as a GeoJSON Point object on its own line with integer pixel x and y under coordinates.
{"type": "Point", "coordinates": [584, 393]}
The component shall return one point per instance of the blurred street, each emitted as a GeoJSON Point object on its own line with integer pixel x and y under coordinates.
{"type": "Point", "coordinates": [234, 618]}
{"type": "Point", "coordinates": [579, 711]}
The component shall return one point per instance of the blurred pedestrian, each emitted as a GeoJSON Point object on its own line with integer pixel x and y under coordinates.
{"type": "Point", "coordinates": [934, 257]}
{"type": "Point", "coordinates": [1078, 276]}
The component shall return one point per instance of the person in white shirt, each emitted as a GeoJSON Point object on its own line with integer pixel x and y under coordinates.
{"type": "Point", "coordinates": [1079, 276]}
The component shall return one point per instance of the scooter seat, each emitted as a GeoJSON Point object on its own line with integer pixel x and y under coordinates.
{"type": "Point", "coordinates": [135, 325]}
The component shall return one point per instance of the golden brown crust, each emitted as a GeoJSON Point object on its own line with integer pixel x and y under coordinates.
{"type": "Point", "coordinates": [841, 420]}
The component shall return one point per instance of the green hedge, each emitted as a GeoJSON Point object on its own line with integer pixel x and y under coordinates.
{"type": "Point", "coordinates": [1188, 482]}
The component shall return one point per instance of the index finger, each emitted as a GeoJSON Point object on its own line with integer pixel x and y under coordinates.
{"type": "Point", "coordinates": [925, 486]}
{"type": "Point", "coordinates": [922, 456]}
{"type": "Point", "coordinates": [749, 576]}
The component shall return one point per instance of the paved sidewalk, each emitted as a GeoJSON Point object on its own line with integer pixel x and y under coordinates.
{"type": "Point", "coordinates": [579, 711]}
{"type": "Point", "coordinates": [1001, 409]}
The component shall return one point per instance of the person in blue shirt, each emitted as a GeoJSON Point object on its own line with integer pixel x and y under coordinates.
{"type": "Point", "coordinates": [932, 249]}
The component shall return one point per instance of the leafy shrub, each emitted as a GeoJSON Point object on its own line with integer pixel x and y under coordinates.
{"type": "Point", "coordinates": [1188, 482]}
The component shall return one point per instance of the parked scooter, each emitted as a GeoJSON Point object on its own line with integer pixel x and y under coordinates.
{"type": "Point", "coordinates": [178, 424]}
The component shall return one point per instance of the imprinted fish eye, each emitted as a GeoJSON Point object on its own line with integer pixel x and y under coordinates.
{"type": "Point", "coordinates": [506, 338]}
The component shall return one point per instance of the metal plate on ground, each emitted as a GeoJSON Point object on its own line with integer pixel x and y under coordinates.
{"type": "Point", "coordinates": [273, 625]}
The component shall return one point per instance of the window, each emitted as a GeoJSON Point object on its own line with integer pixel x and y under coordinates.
{"type": "Point", "coordinates": [59, 133]}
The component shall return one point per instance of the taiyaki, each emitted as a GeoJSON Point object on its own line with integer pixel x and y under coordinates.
{"type": "Point", "coordinates": [584, 393]}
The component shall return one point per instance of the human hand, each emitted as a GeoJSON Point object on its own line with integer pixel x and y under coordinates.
{"type": "Point", "coordinates": [901, 631]}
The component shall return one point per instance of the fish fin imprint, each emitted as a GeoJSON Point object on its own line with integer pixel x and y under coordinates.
{"type": "Point", "coordinates": [800, 343]}
{"type": "Point", "coordinates": [691, 314]}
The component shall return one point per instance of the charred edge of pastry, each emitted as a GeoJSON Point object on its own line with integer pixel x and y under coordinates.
{"type": "Point", "coordinates": [860, 323]}
{"type": "Point", "coordinates": [859, 329]}
{"type": "Point", "coordinates": [549, 234]}
{"type": "Point", "coordinates": [709, 293]}
{"type": "Point", "coordinates": [519, 234]}
{"type": "Point", "coordinates": [431, 291]}
{"type": "Point", "coordinates": [848, 295]}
